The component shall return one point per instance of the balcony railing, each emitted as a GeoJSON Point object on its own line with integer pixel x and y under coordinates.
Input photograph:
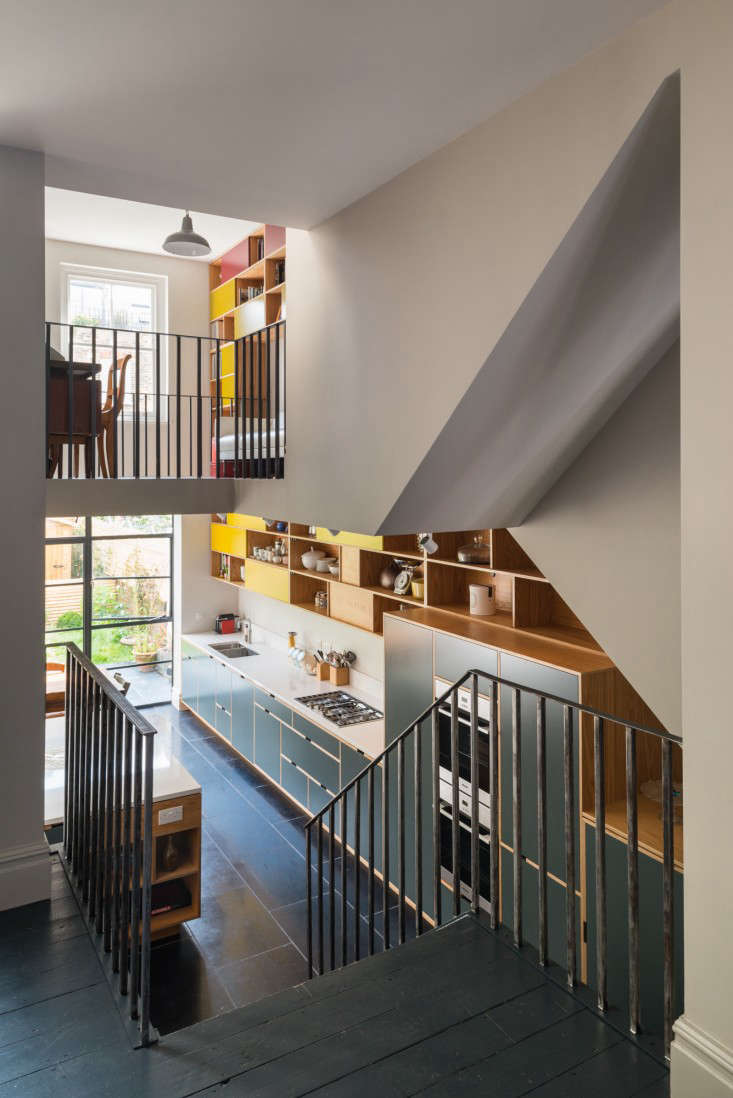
{"type": "Point", "coordinates": [125, 404]}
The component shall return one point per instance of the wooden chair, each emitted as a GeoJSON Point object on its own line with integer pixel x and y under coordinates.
{"type": "Point", "coordinates": [106, 436]}
{"type": "Point", "coordinates": [55, 688]}
{"type": "Point", "coordinates": [106, 419]}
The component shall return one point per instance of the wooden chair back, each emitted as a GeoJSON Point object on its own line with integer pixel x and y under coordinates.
{"type": "Point", "coordinates": [109, 402]}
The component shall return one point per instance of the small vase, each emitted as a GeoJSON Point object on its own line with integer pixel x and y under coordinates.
{"type": "Point", "coordinates": [170, 855]}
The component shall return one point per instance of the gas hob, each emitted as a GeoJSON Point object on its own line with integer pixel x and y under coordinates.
{"type": "Point", "coordinates": [341, 708]}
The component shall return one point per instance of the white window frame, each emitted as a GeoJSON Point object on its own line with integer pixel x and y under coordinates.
{"type": "Point", "coordinates": [158, 283]}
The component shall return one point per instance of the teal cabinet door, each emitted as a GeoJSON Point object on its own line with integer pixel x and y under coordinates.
{"type": "Point", "coordinates": [454, 656]}
{"type": "Point", "coordinates": [352, 763]}
{"type": "Point", "coordinates": [651, 937]}
{"type": "Point", "coordinates": [563, 685]}
{"type": "Point", "coordinates": [223, 700]}
{"type": "Point", "coordinates": [267, 743]}
{"type": "Point", "coordinates": [294, 782]}
{"type": "Point", "coordinates": [243, 716]}
{"type": "Point", "coordinates": [408, 674]}
{"type": "Point", "coordinates": [315, 762]}
{"type": "Point", "coordinates": [207, 688]}
{"type": "Point", "coordinates": [189, 675]}
{"type": "Point", "coordinates": [556, 915]}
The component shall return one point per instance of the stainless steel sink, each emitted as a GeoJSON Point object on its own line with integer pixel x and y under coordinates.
{"type": "Point", "coordinates": [233, 650]}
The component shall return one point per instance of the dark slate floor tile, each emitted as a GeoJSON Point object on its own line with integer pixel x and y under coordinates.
{"type": "Point", "coordinates": [257, 977]}
{"type": "Point", "coordinates": [294, 919]}
{"type": "Point", "coordinates": [620, 1072]}
{"type": "Point", "coordinates": [184, 986]}
{"type": "Point", "coordinates": [234, 925]}
{"type": "Point", "coordinates": [263, 857]}
{"type": "Point", "coordinates": [217, 873]}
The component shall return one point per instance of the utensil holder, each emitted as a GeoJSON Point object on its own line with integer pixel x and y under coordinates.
{"type": "Point", "coordinates": [339, 676]}
{"type": "Point", "coordinates": [322, 672]}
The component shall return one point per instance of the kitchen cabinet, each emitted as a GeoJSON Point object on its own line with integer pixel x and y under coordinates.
{"type": "Point", "coordinates": [223, 700]}
{"type": "Point", "coordinates": [556, 925]}
{"type": "Point", "coordinates": [189, 675]}
{"type": "Point", "coordinates": [273, 705]}
{"type": "Point", "coordinates": [267, 742]}
{"type": "Point", "coordinates": [294, 782]}
{"type": "Point", "coordinates": [408, 674]}
{"type": "Point", "coordinates": [316, 733]}
{"type": "Point", "coordinates": [564, 685]}
{"type": "Point", "coordinates": [651, 938]}
{"type": "Point", "coordinates": [352, 763]}
{"type": "Point", "coordinates": [318, 798]}
{"type": "Point", "coordinates": [207, 666]}
{"type": "Point", "coordinates": [243, 715]}
{"type": "Point", "coordinates": [454, 656]}
{"type": "Point", "coordinates": [312, 759]}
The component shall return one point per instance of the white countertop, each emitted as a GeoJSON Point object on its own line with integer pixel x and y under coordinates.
{"type": "Point", "coordinates": [272, 671]}
{"type": "Point", "coordinates": [170, 778]}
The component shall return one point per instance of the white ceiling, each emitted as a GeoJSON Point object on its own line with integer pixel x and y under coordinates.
{"type": "Point", "coordinates": [284, 111]}
{"type": "Point", "coordinates": [135, 226]}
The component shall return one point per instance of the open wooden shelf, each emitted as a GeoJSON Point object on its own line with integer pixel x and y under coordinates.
{"type": "Point", "coordinates": [649, 825]}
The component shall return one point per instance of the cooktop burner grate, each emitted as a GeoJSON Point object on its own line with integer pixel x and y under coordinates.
{"type": "Point", "coordinates": [341, 708]}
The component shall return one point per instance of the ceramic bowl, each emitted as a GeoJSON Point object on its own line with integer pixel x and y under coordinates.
{"type": "Point", "coordinates": [334, 568]}
{"type": "Point", "coordinates": [310, 559]}
{"type": "Point", "coordinates": [324, 564]}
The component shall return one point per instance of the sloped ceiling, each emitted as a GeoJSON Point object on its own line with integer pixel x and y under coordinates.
{"type": "Point", "coordinates": [601, 314]}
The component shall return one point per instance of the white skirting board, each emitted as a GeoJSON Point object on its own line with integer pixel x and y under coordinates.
{"type": "Point", "coordinates": [702, 1067]}
{"type": "Point", "coordinates": [25, 874]}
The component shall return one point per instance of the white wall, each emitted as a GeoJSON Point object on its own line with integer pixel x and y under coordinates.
{"type": "Point", "coordinates": [608, 534]}
{"type": "Point", "coordinates": [188, 314]}
{"type": "Point", "coordinates": [24, 862]}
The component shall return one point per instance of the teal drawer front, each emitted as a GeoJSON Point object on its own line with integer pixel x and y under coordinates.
{"type": "Point", "coordinates": [313, 732]}
{"type": "Point", "coordinates": [267, 701]}
{"type": "Point", "coordinates": [352, 763]}
{"type": "Point", "coordinates": [318, 797]}
{"type": "Point", "coordinates": [267, 743]}
{"type": "Point", "coordinates": [294, 782]}
{"type": "Point", "coordinates": [310, 758]}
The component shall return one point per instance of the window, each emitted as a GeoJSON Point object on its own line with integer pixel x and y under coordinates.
{"type": "Point", "coordinates": [108, 589]}
{"type": "Point", "coordinates": [134, 303]}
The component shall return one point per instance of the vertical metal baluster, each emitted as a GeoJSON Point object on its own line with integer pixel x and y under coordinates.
{"type": "Point", "coordinates": [93, 412]}
{"type": "Point", "coordinates": [178, 406]}
{"type": "Point", "coordinates": [218, 407]}
{"type": "Point", "coordinates": [668, 891]}
{"type": "Point", "coordinates": [542, 829]}
{"type": "Point", "coordinates": [126, 833]}
{"type": "Point", "coordinates": [137, 792]}
{"type": "Point", "coordinates": [370, 841]}
{"type": "Point", "coordinates": [632, 878]}
{"type": "Point", "coordinates": [117, 841]}
{"type": "Point", "coordinates": [76, 764]}
{"type": "Point", "coordinates": [569, 843]}
{"type": "Point", "coordinates": [455, 832]}
{"type": "Point", "coordinates": [199, 412]}
{"type": "Point", "coordinates": [268, 464]}
{"type": "Point", "coordinates": [309, 899]}
{"type": "Point", "coordinates": [277, 401]}
{"type": "Point", "coordinates": [136, 413]}
{"type": "Point", "coordinates": [517, 811]}
{"type": "Point", "coordinates": [435, 755]}
{"type": "Point", "coordinates": [401, 836]}
{"type": "Point", "coordinates": [48, 396]}
{"type": "Point", "coordinates": [115, 404]}
{"type": "Point", "coordinates": [145, 432]}
{"type": "Point", "coordinates": [260, 460]}
{"type": "Point", "coordinates": [147, 890]}
{"type": "Point", "coordinates": [236, 411]}
{"type": "Point", "coordinates": [83, 767]}
{"type": "Point", "coordinates": [88, 779]}
{"type": "Point", "coordinates": [251, 467]}
{"type": "Point", "coordinates": [418, 829]}
{"type": "Point", "coordinates": [344, 818]}
{"type": "Point", "coordinates": [385, 849]}
{"type": "Point", "coordinates": [319, 857]}
{"type": "Point", "coordinates": [67, 758]}
{"type": "Point", "coordinates": [157, 405]}
{"type": "Point", "coordinates": [109, 717]}
{"type": "Point", "coordinates": [494, 808]}
{"type": "Point", "coordinates": [331, 889]}
{"type": "Point", "coordinates": [357, 869]}
{"type": "Point", "coordinates": [241, 428]}
{"type": "Point", "coordinates": [101, 782]}
{"type": "Point", "coordinates": [600, 811]}
{"type": "Point", "coordinates": [475, 874]}
{"type": "Point", "coordinates": [190, 435]}
{"type": "Point", "coordinates": [70, 409]}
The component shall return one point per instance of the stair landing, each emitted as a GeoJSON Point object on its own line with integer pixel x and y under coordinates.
{"type": "Point", "coordinates": [455, 1012]}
